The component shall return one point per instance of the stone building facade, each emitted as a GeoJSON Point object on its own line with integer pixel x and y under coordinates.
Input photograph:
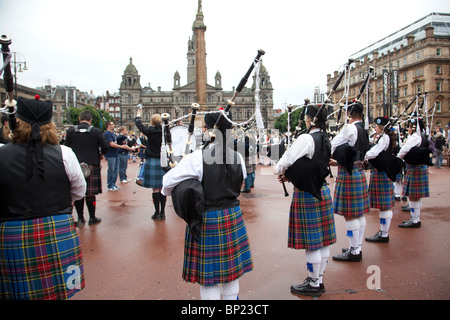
{"type": "Point", "coordinates": [414, 59]}
{"type": "Point", "coordinates": [178, 101]}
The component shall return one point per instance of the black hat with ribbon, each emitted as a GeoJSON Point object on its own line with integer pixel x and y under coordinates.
{"type": "Point", "coordinates": [36, 113]}
{"type": "Point", "coordinates": [381, 121]}
{"type": "Point", "coordinates": [211, 118]}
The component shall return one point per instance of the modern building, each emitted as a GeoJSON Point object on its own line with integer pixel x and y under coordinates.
{"type": "Point", "coordinates": [178, 101]}
{"type": "Point", "coordinates": [411, 60]}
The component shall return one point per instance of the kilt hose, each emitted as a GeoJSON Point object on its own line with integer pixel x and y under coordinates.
{"type": "Point", "coordinates": [311, 222]}
{"type": "Point", "coordinates": [94, 181]}
{"type": "Point", "coordinates": [381, 191]}
{"type": "Point", "coordinates": [40, 259]}
{"type": "Point", "coordinates": [351, 198]}
{"type": "Point", "coordinates": [222, 253]}
{"type": "Point", "coordinates": [415, 184]}
{"type": "Point", "coordinates": [153, 173]}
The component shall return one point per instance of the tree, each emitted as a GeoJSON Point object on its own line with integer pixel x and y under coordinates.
{"type": "Point", "coordinates": [281, 122]}
{"type": "Point", "coordinates": [99, 117]}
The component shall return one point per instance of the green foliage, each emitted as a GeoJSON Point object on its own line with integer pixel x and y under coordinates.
{"type": "Point", "coordinates": [97, 121]}
{"type": "Point", "coordinates": [281, 121]}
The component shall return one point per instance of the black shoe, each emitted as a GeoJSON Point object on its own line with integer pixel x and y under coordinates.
{"type": "Point", "coordinates": [94, 220]}
{"type": "Point", "coordinates": [80, 223]}
{"type": "Point", "coordinates": [397, 198]}
{"type": "Point", "coordinates": [404, 198]}
{"type": "Point", "coordinates": [306, 289]}
{"type": "Point", "coordinates": [348, 256]}
{"type": "Point", "coordinates": [322, 287]}
{"type": "Point", "coordinates": [346, 249]}
{"type": "Point", "coordinates": [162, 216]}
{"type": "Point", "coordinates": [378, 238]}
{"type": "Point", "coordinates": [410, 224]}
{"type": "Point", "coordinates": [406, 208]}
{"type": "Point", "coordinates": [245, 191]}
{"type": "Point", "coordinates": [156, 216]}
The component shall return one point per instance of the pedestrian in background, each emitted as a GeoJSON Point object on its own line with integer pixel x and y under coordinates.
{"type": "Point", "coordinates": [89, 144]}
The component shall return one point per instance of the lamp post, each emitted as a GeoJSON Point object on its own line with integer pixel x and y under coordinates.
{"type": "Point", "coordinates": [20, 65]}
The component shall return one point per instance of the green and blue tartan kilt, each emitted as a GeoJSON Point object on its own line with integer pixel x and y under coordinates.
{"type": "Point", "coordinates": [153, 173]}
{"type": "Point", "coordinates": [415, 184]}
{"type": "Point", "coordinates": [381, 191]}
{"type": "Point", "coordinates": [222, 252]}
{"type": "Point", "coordinates": [94, 181]}
{"type": "Point", "coordinates": [40, 259]}
{"type": "Point", "coordinates": [351, 198]}
{"type": "Point", "coordinates": [311, 222]}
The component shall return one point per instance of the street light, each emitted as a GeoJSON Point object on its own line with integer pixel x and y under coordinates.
{"type": "Point", "coordinates": [19, 61]}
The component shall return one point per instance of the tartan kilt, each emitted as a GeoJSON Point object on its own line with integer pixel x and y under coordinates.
{"type": "Point", "coordinates": [311, 222]}
{"type": "Point", "coordinates": [94, 181]}
{"type": "Point", "coordinates": [381, 191]}
{"type": "Point", "coordinates": [415, 184]}
{"type": "Point", "coordinates": [40, 259]}
{"type": "Point", "coordinates": [153, 173]}
{"type": "Point", "coordinates": [351, 198]}
{"type": "Point", "coordinates": [222, 252]}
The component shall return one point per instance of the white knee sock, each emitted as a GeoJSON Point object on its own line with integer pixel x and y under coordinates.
{"type": "Point", "coordinates": [230, 290]}
{"type": "Point", "coordinates": [210, 292]}
{"type": "Point", "coordinates": [398, 189]}
{"type": "Point", "coordinates": [313, 260]}
{"type": "Point", "coordinates": [415, 210]}
{"type": "Point", "coordinates": [325, 253]}
{"type": "Point", "coordinates": [385, 222]}
{"type": "Point", "coordinates": [362, 228]}
{"type": "Point", "coordinates": [352, 227]}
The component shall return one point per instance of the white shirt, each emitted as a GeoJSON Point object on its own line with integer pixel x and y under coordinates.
{"type": "Point", "coordinates": [348, 134]}
{"type": "Point", "coordinates": [303, 146]}
{"type": "Point", "coordinates": [381, 145]}
{"type": "Point", "coordinates": [190, 167]}
{"type": "Point", "coordinates": [413, 140]}
{"type": "Point", "coordinates": [74, 173]}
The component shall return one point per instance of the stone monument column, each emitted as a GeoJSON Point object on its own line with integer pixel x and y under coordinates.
{"type": "Point", "coordinates": [199, 29]}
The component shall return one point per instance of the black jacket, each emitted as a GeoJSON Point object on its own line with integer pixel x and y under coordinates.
{"type": "Point", "coordinates": [87, 145]}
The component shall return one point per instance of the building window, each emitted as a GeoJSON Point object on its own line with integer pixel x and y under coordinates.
{"type": "Point", "coordinates": [438, 52]}
{"type": "Point", "coordinates": [438, 70]}
{"type": "Point", "coordinates": [405, 76]}
{"type": "Point", "coordinates": [438, 86]}
{"type": "Point", "coordinates": [438, 106]}
{"type": "Point", "coordinates": [405, 92]}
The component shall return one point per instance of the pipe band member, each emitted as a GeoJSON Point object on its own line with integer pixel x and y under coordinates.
{"type": "Point", "coordinates": [416, 154]}
{"type": "Point", "coordinates": [311, 220]}
{"type": "Point", "coordinates": [40, 251]}
{"type": "Point", "coordinates": [351, 199]}
{"type": "Point", "coordinates": [381, 188]}
{"type": "Point", "coordinates": [217, 251]}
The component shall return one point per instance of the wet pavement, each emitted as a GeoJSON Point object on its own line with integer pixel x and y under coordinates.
{"type": "Point", "coordinates": [129, 256]}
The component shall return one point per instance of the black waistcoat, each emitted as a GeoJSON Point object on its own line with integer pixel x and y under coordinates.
{"type": "Point", "coordinates": [222, 180]}
{"type": "Point", "coordinates": [322, 148]}
{"type": "Point", "coordinates": [362, 142]}
{"type": "Point", "coordinates": [21, 199]}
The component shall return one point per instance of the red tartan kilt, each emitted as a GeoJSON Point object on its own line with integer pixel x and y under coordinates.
{"type": "Point", "coordinates": [94, 181]}
{"type": "Point", "coordinates": [381, 191]}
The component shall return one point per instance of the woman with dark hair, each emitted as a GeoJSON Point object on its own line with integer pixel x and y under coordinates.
{"type": "Point", "coordinates": [381, 188]}
{"type": "Point", "coordinates": [311, 221]}
{"type": "Point", "coordinates": [416, 154]}
{"type": "Point", "coordinates": [40, 251]}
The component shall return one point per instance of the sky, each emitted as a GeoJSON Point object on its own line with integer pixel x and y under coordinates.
{"type": "Point", "coordinates": [88, 43]}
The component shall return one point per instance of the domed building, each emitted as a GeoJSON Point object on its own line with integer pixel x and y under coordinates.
{"type": "Point", "coordinates": [178, 101]}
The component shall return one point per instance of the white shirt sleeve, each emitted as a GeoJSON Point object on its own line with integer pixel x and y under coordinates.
{"type": "Point", "coordinates": [303, 146]}
{"type": "Point", "coordinates": [348, 134]}
{"type": "Point", "coordinates": [190, 167]}
{"type": "Point", "coordinates": [381, 145]}
{"type": "Point", "coordinates": [413, 140]}
{"type": "Point", "coordinates": [74, 173]}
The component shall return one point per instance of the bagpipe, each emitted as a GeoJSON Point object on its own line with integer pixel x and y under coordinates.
{"type": "Point", "coordinates": [10, 103]}
{"type": "Point", "coordinates": [306, 174]}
